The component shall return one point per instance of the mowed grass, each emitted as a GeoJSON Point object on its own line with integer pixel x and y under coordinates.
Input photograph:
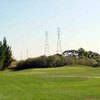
{"type": "Point", "coordinates": [51, 84]}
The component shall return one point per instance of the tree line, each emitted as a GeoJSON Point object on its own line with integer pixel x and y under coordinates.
{"type": "Point", "coordinates": [68, 57]}
{"type": "Point", "coordinates": [42, 62]}
{"type": "Point", "coordinates": [80, 56]}
{"type": "Point", "coordinates": [80, 53]}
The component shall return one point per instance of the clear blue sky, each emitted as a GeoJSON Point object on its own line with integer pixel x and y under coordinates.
{"type": "Point", "coordinates": [24, 22]}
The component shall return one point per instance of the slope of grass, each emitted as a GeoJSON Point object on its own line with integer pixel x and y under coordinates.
{"type": "Point", "coordinates": [51, 84]}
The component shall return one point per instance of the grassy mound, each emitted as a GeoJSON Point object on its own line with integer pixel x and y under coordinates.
{"type": "Point", "coordinates": [51, 84]}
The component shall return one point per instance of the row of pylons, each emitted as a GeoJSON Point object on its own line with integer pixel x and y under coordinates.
{"type": "Point", "coordinates": [59, 47]}
{"type": "Point", "coordinates": [47, 50]}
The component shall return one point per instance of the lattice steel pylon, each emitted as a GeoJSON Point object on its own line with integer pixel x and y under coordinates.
{"type": "Point", "coordinates": [21, 55]}
{"type": "Point", "coordinates": [59, 48]}
{"type": "Point", "coordinates": [26, 53]}
{"type": "Point", "coordinates": [46, 44]}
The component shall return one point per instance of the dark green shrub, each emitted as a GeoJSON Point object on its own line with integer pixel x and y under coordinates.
{"type": "Point", "coordinates": [85, 61]}
{"type": "Point", "coordinates": [42, 62]}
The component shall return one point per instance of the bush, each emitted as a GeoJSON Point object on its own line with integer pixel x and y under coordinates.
{"type": "Point", "coordinates": [85, 61]}
{"type": "Point", "coordinates": [42, 62]}
{"type": "Point", "coordinates": [96, 64]}
{"type": "Point", "coordinates": [70, 60]}
{"type": "Point", "coordinates": [56, 61]}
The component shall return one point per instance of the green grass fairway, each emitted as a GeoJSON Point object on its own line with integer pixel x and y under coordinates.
{"type": "Point", "coordinates": [65, 83]}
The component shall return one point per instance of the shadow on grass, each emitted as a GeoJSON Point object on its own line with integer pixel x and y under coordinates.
{"type": "Point", "coordinates": [18, 69]}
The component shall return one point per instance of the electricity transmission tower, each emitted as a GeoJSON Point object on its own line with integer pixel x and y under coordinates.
{"type": "Point", "coordinates": [59, 48]}
{"type": "Point", "coordinates": [46, 44]}
{"type": "Point", "coordinates": [26, 53]}
{"type": "Point", "coordinates": [20, 55]}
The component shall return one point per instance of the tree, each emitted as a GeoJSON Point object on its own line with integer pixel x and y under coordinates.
{"type": "Point", "coordinates": [82, 53]}
{"type": "Point", "coordinates": [70, 53]}
{"type": "Point", "coordinates": [6, 55]}
{"type": "Point", "coordinates": [1, 55]}
{"type": "Point", "coordinates": [93, 55]}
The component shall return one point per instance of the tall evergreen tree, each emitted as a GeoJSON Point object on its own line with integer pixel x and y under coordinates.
{"type": "Point", "coordinates": [1, 55]}
{"type": "Point", "coordinates": [6, 54]}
